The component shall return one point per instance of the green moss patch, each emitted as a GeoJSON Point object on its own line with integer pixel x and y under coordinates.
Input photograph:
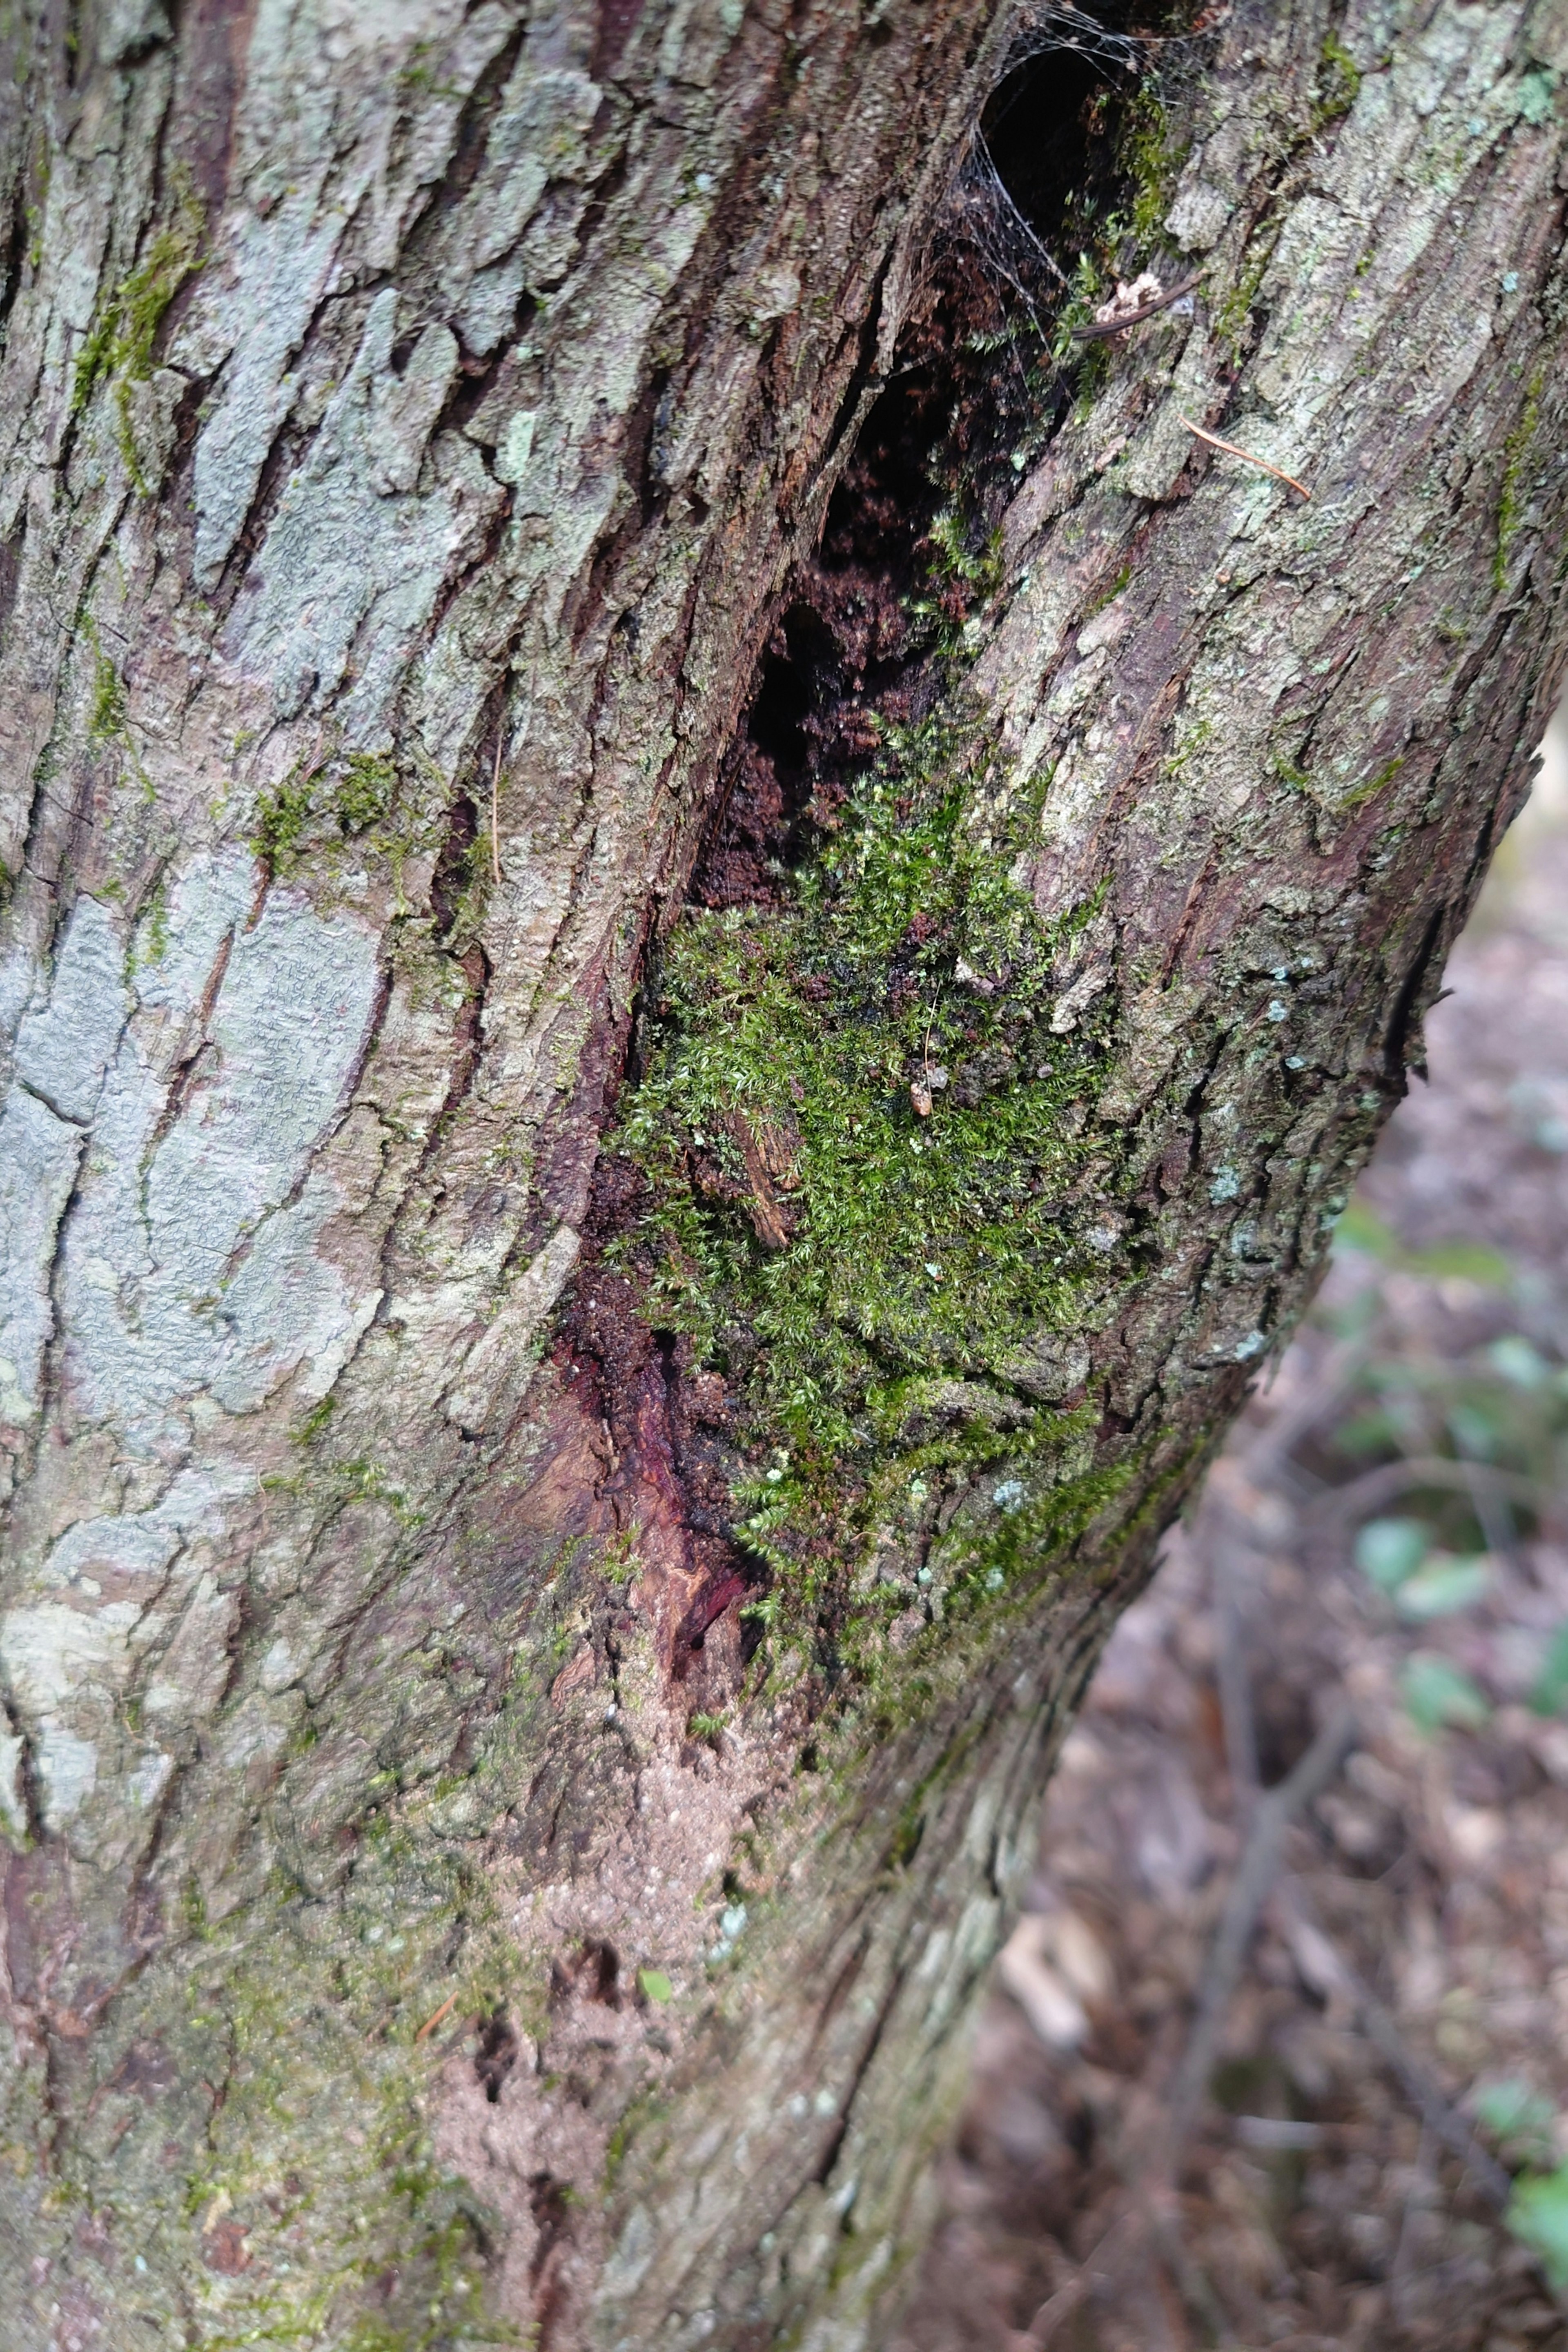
{"type": "Point", "coordinates": [118, 349]}
{"type": "Point", "coordinates": [872, 1188]}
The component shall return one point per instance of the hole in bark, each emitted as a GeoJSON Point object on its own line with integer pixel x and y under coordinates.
{"type": "Point", "coordinates": [928, 478]}
{"type": "Point", "coordinates": [592, 1973]}
{"type": "Point", "coordinates": [1045, 126]}
{"type": "Point", "coordinates": [550, 2202]}
{"type": "Point", "coordinates": [454, 867]}
{"type": "Point", "coordinates": [497, 2053]}
{"type": "Point", "coordinates": [864, 640]}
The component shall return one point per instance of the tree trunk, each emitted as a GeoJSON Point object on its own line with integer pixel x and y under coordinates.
{"type": "Point", "coordinates": [703, 921]}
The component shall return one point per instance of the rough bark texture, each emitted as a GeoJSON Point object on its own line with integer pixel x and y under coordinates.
{"type": "Point", "coordinates": [411, 417]}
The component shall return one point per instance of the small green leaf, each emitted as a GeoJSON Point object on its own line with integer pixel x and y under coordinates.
{"type": "Point", "coordinates": [1510, 2110]}
{"type": "Point", "coordinates": [1550, 1691]}
{"type": "Point", "coordinates": [1463, 1262]}
{"type": "Point", "coordinates": [655, 1985]}
{"type": "Point", "coordinates": [1444, 1585]}
{"type": "Point", "coordinates": [1538, 2216]}
{"type": "Point", "coordinates": [1518, 1362]}
{"type": "Point", "coordinates": [1389, 1550]}
{"type": "Point", "coordinates": [1437, 1692]}
{"type": "Point", "coordinates": [1362, 1229]}
{"type": "Point", "coordinates": [1477, 1431]}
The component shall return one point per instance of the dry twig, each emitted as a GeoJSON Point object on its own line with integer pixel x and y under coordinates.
{"type": "Point", "coordinates": [1245, 455]}
{"type": "Point", "coordinates": [1368, 1493]}
{"type": "Point", "coordinates": [1249, 1891]}
{"type": "Point", "coordinates": [430, 2023]}
{"type": "Point", "coordinates": [1098, 327]}
{"type": "Point", "coordinates": [1329, 1975]}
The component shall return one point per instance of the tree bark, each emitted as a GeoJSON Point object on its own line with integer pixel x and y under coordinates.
{"type": "Point", "coordinates": [553, 1535]}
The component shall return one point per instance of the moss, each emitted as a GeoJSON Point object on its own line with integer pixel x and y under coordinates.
{"type": "Point", "coordinates": [281, 816]}
{"type": "Point", "coordinates": [1234, 314]}
{"type": "Point", "coordinates": [1511, 498]}
{"type": "Point", "coordinates": [152, 925]}
{"type": "Point", "coordinates": [304, 2017]}
{"type": "Point", "coordinates": [867, 1186]}
{"type": "Point", "coordinates": [315, 1422]}
{"type": "Point", "coordinates": [1109, 593]}
{"type": "Point", "coordinates": [365, 792]}
{"type": "Point", "coordinates": [1370, 787]}
{"type": "Point", "coordinates": [343, 808]}
{"type": "Point", "coordinates": [119, 349]}
{"type": "Point", "coordinates": [107, 724]}
{"type": "Point", "coordinates": [106, 712]}
{"type": "Point", "coordinates": [1151, 162]}
{"type": "Point", "coordinates": [1339, 82]}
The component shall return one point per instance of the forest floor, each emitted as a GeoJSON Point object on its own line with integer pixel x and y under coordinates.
{"type": "Point", "coordinates": [1378, 2057]}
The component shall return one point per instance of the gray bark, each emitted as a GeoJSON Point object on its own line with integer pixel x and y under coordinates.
{"type": "Point", "coordinates": [408, 419]}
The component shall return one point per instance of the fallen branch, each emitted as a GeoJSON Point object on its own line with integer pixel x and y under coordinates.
{"type": "Point", "coordinates": [1067, 2298]}
{"type": "Point", "coordinates": [1327, 1974]}
{"type": "Point", "coordinates": [1390, 1479]}
{"type": "Point", "coordinates": [1276, 1808]}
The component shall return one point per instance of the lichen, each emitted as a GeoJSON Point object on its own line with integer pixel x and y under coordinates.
{"type": "Point", "coordinates": [293, 2011]}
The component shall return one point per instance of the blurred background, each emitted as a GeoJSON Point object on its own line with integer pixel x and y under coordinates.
{"type": "Point", "coordinates": [1278, 2053]}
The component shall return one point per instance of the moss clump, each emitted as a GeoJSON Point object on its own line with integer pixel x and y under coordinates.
{"type": "Point", "coordinates": [1370, 787]}
{"type": "Point", "coordinates": [106, 712]}
{"type": "Point", "coordinates": [107, 724]}
{"type": "Point", "coordinates": [322, 806]}
{"type": "Point", "coordinates": [364, 794]}
{"type": "Point", "coordinates": [118, 349]}
{"type": "Point", "coordinates": [860, 1120]}
{"type": "Point", "coordinates": [281, 816]}
{"type": "Point", "coordinates": [1339, 82]}
{"type": "Point", "coordinates": [152, 925]}
{"type": "Point", "coordinates": [1151, 161]}
{"type": "Point", "coordinates": [1234, 315]}
{"type": "Point", "coordinates": [854, 1111]}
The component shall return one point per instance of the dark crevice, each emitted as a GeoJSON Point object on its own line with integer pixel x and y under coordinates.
{"type": "Point", "coordinates": [830, 2154]}
{"type": "Point", "coordinates": [468, 147]}
{"type": "Point", "coordinates": [454, 866]}
{"type": "Point", "coordinates": [1404, 1019]}
{"type": "Point", "coordinates": [617, 22]}
{"type": "Point", "coordinates": [863, 639]}
{"type": "Point", "coordinates": [11, 570]}
{"type": "Point", "coordinates": [212, 39]}
{"type": "Point", "coordinates": [1044, 128]}
{"type": "Point", "coordinates": [476, 563]}
{"type": "Point", "coordinates": [497, 2055]}
{"type": "Point", "coordinates": [15, 250]}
